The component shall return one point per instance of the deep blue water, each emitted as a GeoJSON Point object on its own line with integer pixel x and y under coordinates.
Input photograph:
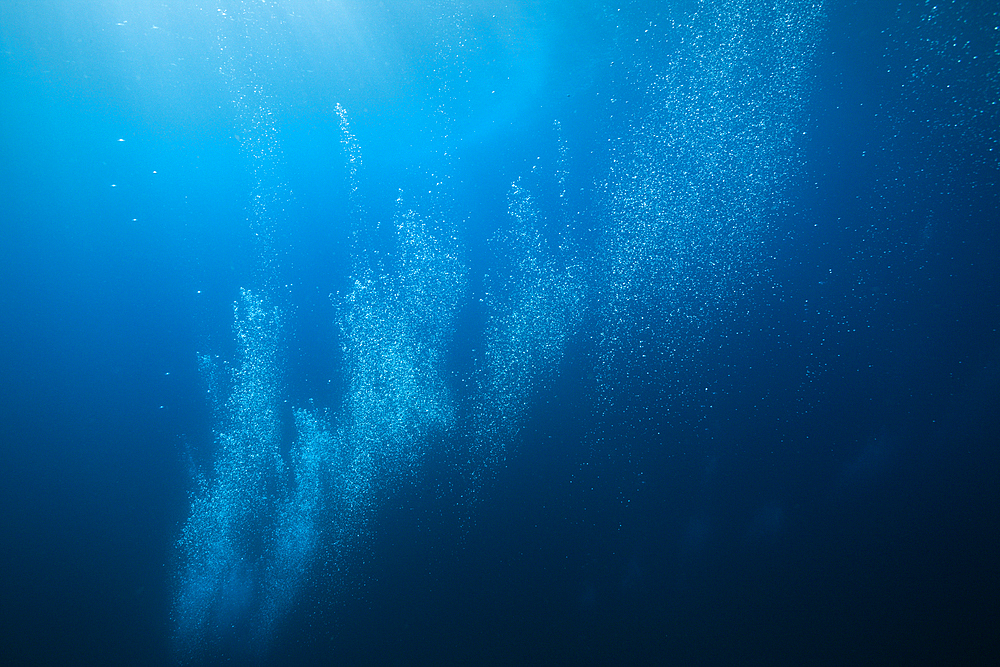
{"type": "Point", "coordinates": [500, 333]}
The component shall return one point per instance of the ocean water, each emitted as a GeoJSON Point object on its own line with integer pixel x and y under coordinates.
{"type": "Point", "coordinates": [538, 333]}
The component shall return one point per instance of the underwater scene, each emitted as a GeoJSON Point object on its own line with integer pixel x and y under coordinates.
{"type": "Point", "coordinates": [468, 332]}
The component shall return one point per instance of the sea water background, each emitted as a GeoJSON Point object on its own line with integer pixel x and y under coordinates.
{"type": "Point", "coordinates": [763, 435]}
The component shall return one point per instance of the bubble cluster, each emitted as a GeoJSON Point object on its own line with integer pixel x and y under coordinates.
{"type": "Point", "coordinates": [706, 159]}
{"type": "Point", "coordinates": [251, 533]}
{"type": "Point", "coordinates": [536, 302]}
{"type": "Point", "coordinates": [225, 546]}
{"type": "Point", "coordinates": [396, 326]}
{"type": "Point", "coordinates": [258, 522]}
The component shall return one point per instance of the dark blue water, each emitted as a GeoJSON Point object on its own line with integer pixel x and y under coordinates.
{"type": "Point", "coordinates": [499, 333]}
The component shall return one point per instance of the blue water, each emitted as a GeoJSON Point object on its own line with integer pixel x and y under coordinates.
{"type": "Point", "coordinates": [499, 333]}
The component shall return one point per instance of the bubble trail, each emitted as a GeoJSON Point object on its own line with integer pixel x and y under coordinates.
{"type": "Point", "coordinates": [397, 325]}
{"type": "Point", "coordinates": [536, 303]}
{"type": "Point", "coordinates": [251, 532]}
{"type": "Point", "coordinates": [705, 163]}
{"type": "Point", "coordinates": [225, 543]}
